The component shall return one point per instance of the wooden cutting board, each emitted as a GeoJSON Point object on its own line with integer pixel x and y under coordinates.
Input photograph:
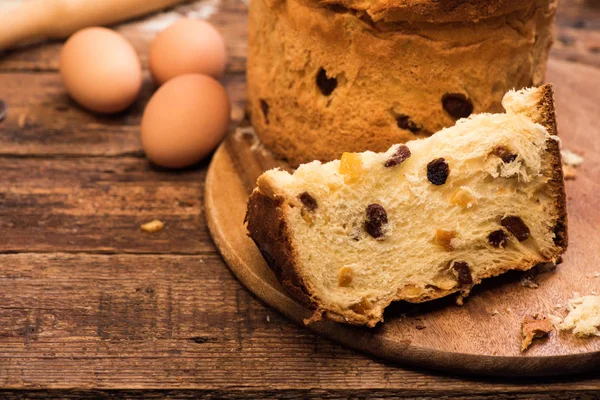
{"type": "Point", "coordinates": [482, 337]}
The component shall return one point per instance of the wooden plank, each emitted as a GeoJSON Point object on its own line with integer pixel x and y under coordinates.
{"type": "Point", "coordinates": [175, 322]}
{"type": "Point", "coordinates": [246, 394]}
{"type": "Point", "coordinates": [228, 16]}
{"type": "Point", "coordinates": [98, 204]}
{"type": "Point", "coordinates": [42, 120]}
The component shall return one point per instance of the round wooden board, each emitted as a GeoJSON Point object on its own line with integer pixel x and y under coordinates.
{"type": "Point", "coordinates": [483, 336]}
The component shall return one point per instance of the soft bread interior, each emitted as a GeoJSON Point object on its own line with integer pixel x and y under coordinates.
{"type": "Point", "coordinates": [353, 276]}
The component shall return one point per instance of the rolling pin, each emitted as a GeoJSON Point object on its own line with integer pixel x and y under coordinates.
{"type": "Point", "coordinates": [58, 19]}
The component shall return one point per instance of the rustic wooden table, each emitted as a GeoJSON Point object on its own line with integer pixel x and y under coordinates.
{"type": "Point", "coordinates": [92, 306]}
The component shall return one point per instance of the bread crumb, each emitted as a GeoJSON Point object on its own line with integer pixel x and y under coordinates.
{"type": "Point", "coordinates": [152, 226]}
{"type": "Point", "coordinates": [22, 120]}
{"type": "Point", "coordinates": [569, 173]}
{"type": "Point", "coordinates": [495, 312]}
{"type": "Point", "coordinates": [571, 158]}
{"type": "Point", "coordinates": [268, 319]}
{"type": "Point", "coordinates": [533, 327]}
{"type": "Point", "coordinates": [509, 310]}
{"type": "Point", "coordinates": [584, 316]}
{"type": "Point", "coordinates": [529, 282]}
{"type": "Point", "coordinates": [555, 319]}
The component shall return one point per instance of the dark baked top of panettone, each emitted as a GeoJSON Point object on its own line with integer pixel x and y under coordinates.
{"type": "Point", "coordinates": [432, 10]}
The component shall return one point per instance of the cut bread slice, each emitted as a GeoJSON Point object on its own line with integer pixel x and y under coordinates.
{"type": "Point", "coordinates": [420, 221]}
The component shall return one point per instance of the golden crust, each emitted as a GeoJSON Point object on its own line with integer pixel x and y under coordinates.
{"type": "Point", "coordinates": [267, 226]}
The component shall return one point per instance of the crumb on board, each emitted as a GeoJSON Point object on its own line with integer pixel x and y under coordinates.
{"type": "Point", "coordinates": [529, 282]}
{"type": "Point", "coordinates": [22, 120]}
{"type": "Point", "coordinates": [570, 173]}
{"type": "Point", "coordinates": [571, 158]}
{"type": "Point", "coordinates": [532, 327]}
{"type": "Point", "coordinates": [152, 226]}
{"type": "Point", "coordinates": [583, 318]}
{"type": "Point", "coordinates": [570, 161]}
{"type": "Point", "coordinates": [495, 312]}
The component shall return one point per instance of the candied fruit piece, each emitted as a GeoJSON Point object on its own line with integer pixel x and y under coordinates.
{"type": "Point", "coordinates": [345, 276]}
{"type": "Point", "coordinates": [306, 216]}
{"type": "Point", "coordinates": [463, 198]}
{"type": "Point", "coordinates": [351, 167]}
{"type": "Point", "coordinates": [444, 238]}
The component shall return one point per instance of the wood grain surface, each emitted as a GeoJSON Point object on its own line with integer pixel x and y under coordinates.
{"type": "Point", "coordinates": [91, 306]}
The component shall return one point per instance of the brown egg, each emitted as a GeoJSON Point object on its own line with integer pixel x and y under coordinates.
{"type": "Point", "coordinates": [185, 120]}
{"type": "Point", "coordinates": [100, 70]}
{"type": "Point", "coordinates": [187, 46]}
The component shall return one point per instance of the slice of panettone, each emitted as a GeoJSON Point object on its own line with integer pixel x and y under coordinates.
{"type": "Point", "coordinates": [420, 221]}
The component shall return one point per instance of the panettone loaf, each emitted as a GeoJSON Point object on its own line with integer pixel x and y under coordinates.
{"type": "Point", "coordinates": [328, 76]}
{"type": "Point", "coordinates": [420, 221]}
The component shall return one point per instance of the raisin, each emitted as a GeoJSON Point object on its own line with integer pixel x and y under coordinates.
{"type": "Point", "coordinates": [404, 122]}
{"type": "Point", "coordinates": [309, 202]}
{"type": "Point", "coordinates": [401, 155]}
{"type": "Point", "coordinates": [497, 239]}
{"type": "Point", "coordinates": [2, 110]}
{"type": "Point", "coordinates": [326, 85]}
{"type": "Point", "coordinates": [376, 219]}
{"type": "Point", "coordinates": [457, 105]}
{"type": "Point", "coordinates": [463, 273]}
{"type": "Point", "coordinates": [504, 154]}
{"type": "Point", "coordinates": [516, 226]}
{"type": "Point", "coordinates": [437, 171]}
{"type": "Point", "coordinates": [264, 106]}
